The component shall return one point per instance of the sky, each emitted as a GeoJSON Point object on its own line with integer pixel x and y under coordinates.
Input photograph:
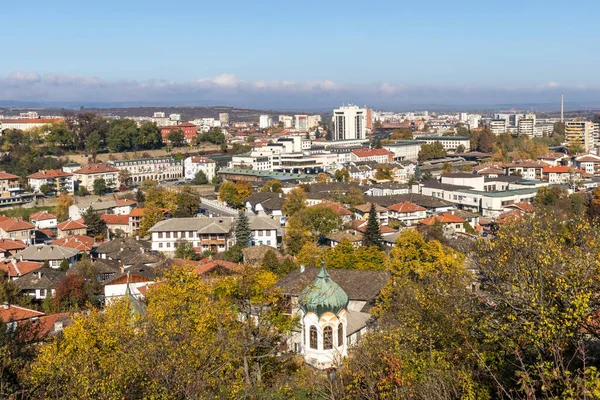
{"type": "Point", "coordinates": [304, 55]}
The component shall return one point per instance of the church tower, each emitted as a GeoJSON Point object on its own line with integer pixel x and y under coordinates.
{"type": "Point", "coordinates": [324, 321]}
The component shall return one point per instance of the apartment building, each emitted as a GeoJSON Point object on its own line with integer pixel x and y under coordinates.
{"type": "Point", "coordinates": [265, 122]}
{"type": "Point", "coordinates": [156, 169]}
{"type": "Point", "coordinates": [9, 184]}
{"type": "Point", "coordinates": [580, 134]}
{"type": "Point", "coordinates": [193, 165]}
{"type": "Point", "coordinates": [498, 126]}
{"type": "Point", "coordinates": [301, 123]}
{"type": "Point", "coordinates": [405, 149]}
{"type": "Point", "coordinates": [380, 156]}
{"type": "Point", "coordinates": [55, 179]}
{"type": "Point", "coordinates": [85, 177]}
{"type": "Point", "coordinates": [449, 143]}
{"type": "Point", "coordinates": [349, 122]}
{"type": "Point", "coordinates": [526, 126]}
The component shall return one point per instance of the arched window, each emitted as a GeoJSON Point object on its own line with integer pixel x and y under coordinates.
{"type": "Point", "coordinates": [313, 337]}
{"type": "Point", "coordinates": [328, 338]}
{"type": "Point", "coordinates": [340, 335]}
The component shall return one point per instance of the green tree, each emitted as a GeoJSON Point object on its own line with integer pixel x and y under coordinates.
{"type": "Point", "coordinates": [99, 186]}
{"type": "Point", "coordinates": [45, 189]}
{"type": "Point", "coordinates": [185, 250]}
{"type": "Point", "coordinates": [431, 151]}
{"type": "Point", "coordinates": [149, 136]}
{"type": "Point", "coordinates": [200, 178]}
{"type": "Point", "coordinates": [372, 235]}
{"type": "Point", "coordinates": [188, 202]}
{"type": "Point", "coordinates": [82, 191]}
{"type": "Point", "coordinates": [272, 185]}
{"type": "Point", "coordinates": [96, 227]}
{"type": "Point", "coordinates": [93, 144]}
{"type": "Point", "coordinates": [341, 175]}
{"type": "Point", "coordinates": [121, 136]}
{"type": "Point", "coordinates": [242, 230]}
{"type": "Point", "coordinates": [64, 265]}
{"type": "Point", "coordinates": [125, 177]}
{"type": "Point", "coordinates": [176, 138]}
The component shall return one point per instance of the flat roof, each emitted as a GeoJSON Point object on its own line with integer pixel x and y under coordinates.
{"type": "Point", "coordinates": [502, 193]}
{"type": "Point", "coordinates": [443, 137]}
{"type": "Point", "coordinates": [270, 174]}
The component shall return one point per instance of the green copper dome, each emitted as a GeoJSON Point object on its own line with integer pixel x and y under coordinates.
{"type": "Point", "coordinates": [323, 295]}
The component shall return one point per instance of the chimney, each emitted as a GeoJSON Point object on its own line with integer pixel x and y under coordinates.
{"type": "Point", "coordinates": [121, 268]}
{"type": "Point", "coordinates": [39, 274]}
{"type": "Point", "coordinates": [302, 268]}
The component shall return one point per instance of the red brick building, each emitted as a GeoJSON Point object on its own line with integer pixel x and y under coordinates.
{"type": "Point", "coordinates": [189, 131]}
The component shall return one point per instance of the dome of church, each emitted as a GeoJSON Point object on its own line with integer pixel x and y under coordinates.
{"type": "Point", "coordinates": [323, 295]}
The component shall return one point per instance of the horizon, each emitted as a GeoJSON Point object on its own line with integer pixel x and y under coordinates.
{"type": "Point", "coordinates": [385, 56]}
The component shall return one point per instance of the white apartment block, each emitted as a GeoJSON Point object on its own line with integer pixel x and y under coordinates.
{"type": "Point", "coordinates": [193, 165]}
{"type": "Point", "coordinates": [265, 122]}
{"type": "Point", "coordinates": [287, 120]}
{"type": "Point", "coordinates": [580, 133]}
{"type": "Point", "coordinates": [155, 169]}
{"type": "Point", "coordinates": [349, 122]}
{"type": "Point", "coordinates": [449, 143]}
{"type": "Point", "coordinates": [526, 126]}
{"type": "Point", "coordinates": [498, 126]}
{"type": "Point", "coordinates": [301, 123]}
{"type": "Point", "coordinates": [55, 180]}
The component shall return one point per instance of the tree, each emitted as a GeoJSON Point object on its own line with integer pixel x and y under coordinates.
{"type": "Point", "coordinates": [295, 201]}
{"type": "Point", "coordinates": [272, 185]}
{"type": "Point", "coordinates": [322, 177]}
{"type": "Point", "coordinates": [418, 175]}
{"type": "Point", "coordinates": [64, 265]}
{"type": "Point", "coordinates": [45, 189]}
{"type": "Point", "coordinates": [448, 169]}
{"type": "Point", "coordinates": [431, 151]}
{"type": "Point", "coordinates": [461, 148]}
{"type": "Point", "coordinates": [485, 142]}
{"type": "Point", "coordinates": [188, 202]}
{"type": "Point", "coordinates": [96, 227]}
{"type": "Point", "coordinates": [121, 136]}
{"type": "Point", "coordinates": [93, 144]}
{"type": "Point", "coordinates": [61, 210]}
{"type": "Point", "coordinates": [152, 215]}
{"type": "Point", "coordinates": [377, 143]}
{"type": "Point", "coordinates": [200, 178]}
{"type": "Point", "coordinates": [384, 172]}
{"type": "Point", "coordinates": [402, 134]}
{"type": "Point", "coordinates": [82, 191]}
{"type": "Point", "coordinates": [176, 138]}
{"type": "Point", "coordinates": [70, 294]}
{"type": "Point", "coordinates": [185, 250]}
{"type": "Point", "coordinates": [372, 233]}
{"type": "Point", "coordinates": [125, 177]}
{"type": "Point", "coordinates": [242, 230]}
{"type": "Point", "coordinates": [99, 186]}
{"type": "Point", "coordinates": [341, 175]}
{"type": "Point", "coordinates": [310, 225]}
{"type": "Point", "coordinates": [354, 197]}
{"type": "Point", "coordinates": [149, 136]}
{"type": "Point", "coordinates": [271, 263]}
{"type": "Point", "coordinates": [60, 135]}
{"type": "Point", "coordinates": [235, 193]}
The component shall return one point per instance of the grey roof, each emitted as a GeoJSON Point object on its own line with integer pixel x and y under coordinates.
{"type": "Point", "coordinates": [418, 199]}
{"type": "Point", "coordinates": [46, 252]}
{"type": "Point", "coordinates": [341, 235]}
{"type": "Point", "coordinates": [444, 186]}
{"type": "Point", "coordinates": [43, 278]}
{"type": "Point", "coordinates": [356, 321]}
{"type": "Point", "coordinates": [264, 223]}
{"type": "Point", "coordinates": [202, 225]}
{"type": "Point", "coordinates": [269, 200]}
{"type": "Point", "coordinates": [123, 244]}
{"type": "Point", "coordinates": [358, 284]}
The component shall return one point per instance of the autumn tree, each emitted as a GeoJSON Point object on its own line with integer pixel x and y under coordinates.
{"type": "Point", "coordinates": [272, 185]}
{"type": "Point", "coordinates": [384, 172]}
{"type": "Point", "coordinates": [61, 210]}
{"type": "Point", "coordinates": [234, 193]}
{"type": "Point", "coordinates": [341, 175]}
{"type": "Point", "coordinates": [187, 202]}
{"type": "Point", "coordinates": [322, 177]}
{"type": "Point", "coordinates": [310, 224]}
{"type": "Point", "coordinates": [70, 294]}
{"type": "Point", "coordinates": [431, 151]}
{"type": "Point", "coordinates": [295, 201]}
{"type": "Point", "coordinates": [152, 215]}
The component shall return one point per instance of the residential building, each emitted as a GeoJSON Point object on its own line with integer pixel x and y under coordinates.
{"type": "Point", "coordinates": [190, 132]}
{"type": "Point", "coordinates": [380, 156]}
{"type": "Point", "coordinates": [224, 118]}
{"type": "Point", "coordinates": [80, 243]}
{"type": "Point", "coordinates": [156, 169]}
{"type": "Point", "coordinates": [193, 165]}
{"type": "Point", "coordinates": [407, 212]}
{"type": "Point", "coordinates": [301, 123]}
{"type": "Point", "coordinates": [287, 120]}
{"type": "Point", "coordinates": [590, 163]}
{"type": "Point", "coordinates": [70, 227]}
{"type": "Point", "coordinates": [526, 126]}
{"type": "Point", "coordinates": [266, 204]}
{"type": "Point", "coordinates": [362, 212]}
{"type": "Point", "coordinates": [40, 283]}
{"type": "Point", "coordinates": [580, 134]}
{"type": "Point", "coordinates": [265, 122]}
{"type": "Point", "coordinates": [85, 177]}
{"type": "Point", "coordinates": [16, 229]}
{"type": "Point", "coordinates": [447, 220]}
{"type": "Point", "coordinates": [313, 121]}
{"type": "Point", "coordinates": [449, 143]}
{"type": "Point", "coordinates": [117, 207]}
{"type": "Point", "coordinates": [43, 220]}
{"type": "Point", "coordinates": [345, 214]}
{"type": "Point", "coordinates": [9, 247]}
{"type": "Point", "coordinates": [117, 224]}
{"type": "Point", "coordinates": [55, 180]}
{"type": "Point", "coordinates": [560, 175]}
{"type": "Point", "coordinates": [498, 126]}
{"type": "Point", "coordinates": [53, 254]}
{"type": "Point", "coordinates": [9, 184]}
{"type": "Point", "coordinates": [349, 122]}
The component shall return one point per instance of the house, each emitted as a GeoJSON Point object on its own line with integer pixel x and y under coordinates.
{"type": "Point", "coordinates": [135, 218]}
{"type": "Point", "coordinates": [133, 280]}
{"type": "Point", "coordinates": [117, 207]}
{"type": "Point", "coordinates": [431, 204]}
{"type": "Point", "coordinates": [387, 189]}
{"type": "Point", "coordinates": [345, 214]}
{"type": "Point", "coordinates": [15, 269]}
{"type": "Point", "coordinates": [215, 234]}
{"type": "Point", "coordinates": [41, 325]}
{"type": "Point", "coordinates": [85, 177]}
{"type": "Point", "coordinates": [71, 227]}
{"type": "Point", "coordinates": [266, 203]}
{"type": "Point", "coordinates": [381, 156]}
{"type": "Point", "coordinates": [9, 247]}
{"type": "Point", "coordinates": [562, 175]}
{"type": "Point", "coordinates": [54, 255]}
{"type": "Point", "coordinates": [360, 226]}
{"type": "Point", "coordinates": [43, 220]}
{"type": "Point", "coordinates": [16, 229]}
{"type": "Point", "coordinates": [333, 310]}
{"type": "Point", "coordinates": [447, 220]}
{"type": "Point", "coordinates": [335, 238]}
{"type": "Point", "coordinates": [554, 159]}
{"type": "Point", "coordinates": [116, 223]}
{"type": "Point", "coordinates": [129, 252]}
{"type": "Point", "coordinates": [589, 163]}
{"type": "Point", "coordinates": [193, 165]}
{"type": "Point", "coordinates": [210, 266]}
{"type": "Point", "coordinates": [255, 254]}
{"type": "Point", "coordinates": [9, 184]}
{"type": "Point", "coordinates": [525, 169]}
{"type": "Point", "coordinates": [407, 212]}
{"type": "Point", "coordinates": [78, 242]}
{"type": "Point", "coordinates": [362, 212]}
{"type": "Point", "coordinates": [40, 283]}
{"type": "Point", "coordinates": [54, 179]}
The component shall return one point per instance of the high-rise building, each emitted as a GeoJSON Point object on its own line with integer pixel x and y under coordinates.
{"type": "Point", "coordinates": [313, 121]}
{"type": "Point", "coordinates": [265, 122]}
{"type": "Point", "coordinates": [224, 118]}
{"type": "Point", "coordinates": [369, 119]}
{"type": "Point", "coordinates": [526, 125]}
{"type": "Point", "coordinates": [498, 126]}
{"type": "Point", "coordinates": [349, 122]}
{"type": "Point", "coordinates": [301, 122]}
{"type": "Point", "coordinates": [287, 120]}
{"type": "Point", "coordinates": [580, 134]}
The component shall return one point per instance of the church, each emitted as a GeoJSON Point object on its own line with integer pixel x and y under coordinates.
{"type": "Point", "coordinates": [333, 309]}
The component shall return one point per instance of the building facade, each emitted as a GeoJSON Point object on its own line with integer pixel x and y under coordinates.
{"type": "Point", "coordinates": [193, 165]}
{"type": "Point", "coordinates": [55, 179]}
{"type": "Point", "coordinates": [156, 169]}
{"type": "Point", "coordinates": [349, 122]}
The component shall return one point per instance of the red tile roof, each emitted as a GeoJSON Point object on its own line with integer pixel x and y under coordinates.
{"type": "Point", "coordinates": [9, 244]}
{"type": "Point", "coordinates": [372, 152]}
{"type": "Point", "coordinates": [4, 176]}
{"type": "Point", "coordinates": [50, 173]}
{"type": "Point", "coordinates": [561, 169]}
{"type": "Point", "coordinates": [10, 312]}
{"type": "Point", "coordinates": [338, 208]}
{"type": "Point", "coordinates": [77, 242]}
{"type": "Point", "coordinates": [48, 232]}
{"type": "Point", "coordinates": [96, 169]}
{"type": "Point", "coordinates": [588, 159]}
{"type": "Point", "coordinates": [112, 219]}
{"type": "Point", "coordinates": [523, 206]}
{"type": "Point", "coordinates": [125, 202]}
{"type": "Point", "coordinates": [8, 224]}
{"type": "Point", "coordinates": [202, 160]}
{"type": "Point", "coordinates": [41, 216]}
{"type": "Point", "coordinates": [18, 268]}
{"type": "Point", "coordinates": [445, 218]}
{"type": "Point", "coordinates": [405, 207]}
{"type": "Point", "coordinates": [70, 225]}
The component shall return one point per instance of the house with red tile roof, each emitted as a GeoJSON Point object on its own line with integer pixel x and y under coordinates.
{"type": "Point", "coordinates": [8, 247]}
{"type": "Point", "coordinates": [43, 220]}
{"type": "Point", "coordinates": [561, 174]}
{"type": "Point", "coordinates": [448, 221]}
{"type": "Point", "coordinates": [344, 213]}
{"type": "Point", "coordinates": [380, 156]}
{"type": "Point", "coordinates": [55, 179]}
{"type": "Point", "coordinates": [71, 227]}
{"type": "Point", "coordinates": [42, 325]}
{"type": "Point", "coordinates": [527, 169]}
{"type": "Point", "coordinates": [9, 184]}
{"type": "Point", "coordinates": [590, 163]}
{"type": "Point", "coordinates": [407, 212]}
{"type": "Point", "coordinates": [16, 229]}
{"type": "Point", "coordinates": [117, 222]}
{"type": "Point", "coordinates": [78, 242]}
{"type": "Point", "coordinates": [14, 268]}
{"type": "Point", "coordinates": [85, 177]}
{"type": "Point", "coordinates": [362, 213]}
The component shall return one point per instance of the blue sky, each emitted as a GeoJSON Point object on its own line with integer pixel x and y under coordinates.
{"type": "Point", "coordinates": [301, 54]}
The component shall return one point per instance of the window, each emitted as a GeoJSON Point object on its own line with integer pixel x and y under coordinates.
{"type": "Point", "coordinates": [340, 335]}
{"type": "Point", "coordinates": [313, 337]}
{"type": "Point", "coordinates": [160, 245]}
{"type": "Point", "coordinates": [160, 235]}
{"type": "Point", "coordinates": [328, 338]}
{"type": "Point", "coordinates": [42, 292]}
{"type": "Point", "coordinates": [260, 233]}
{"type": "Point", "coordinates": [168, 235]}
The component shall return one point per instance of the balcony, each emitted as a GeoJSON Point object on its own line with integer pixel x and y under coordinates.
{"type": "Point", "coordinates": [213, 242]}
